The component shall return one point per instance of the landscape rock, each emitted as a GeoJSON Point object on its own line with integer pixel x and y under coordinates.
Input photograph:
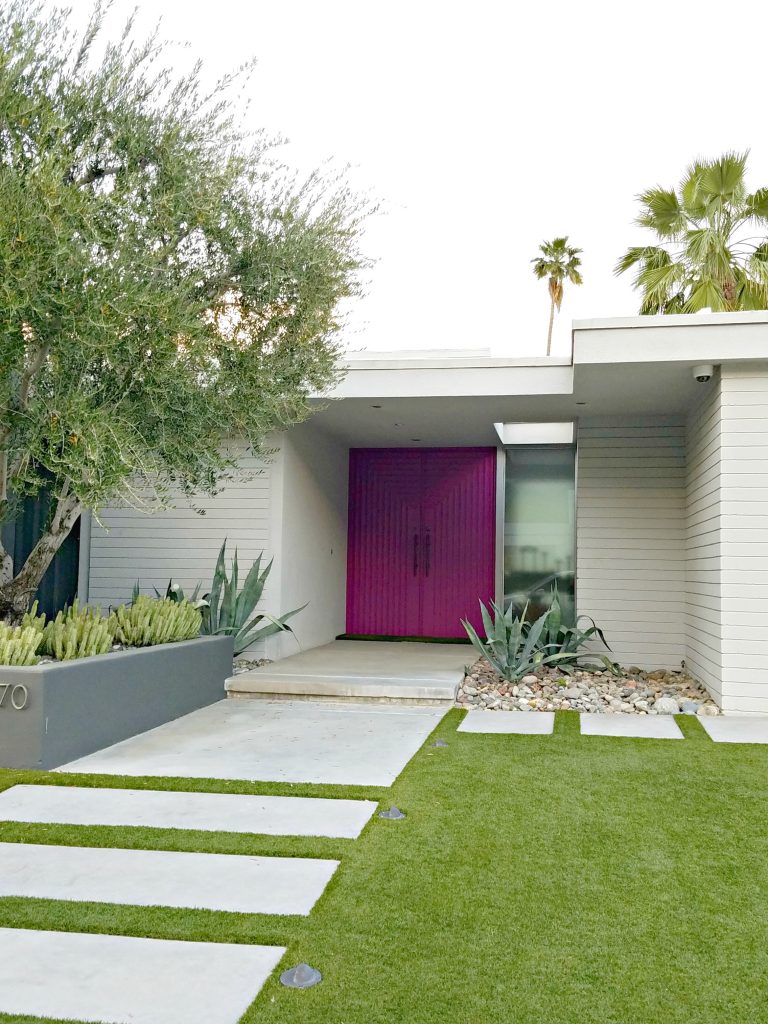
{"type": "Point", "coordinates": [666, 706]}
{"type": "Point", "coordinates": [629, 691]}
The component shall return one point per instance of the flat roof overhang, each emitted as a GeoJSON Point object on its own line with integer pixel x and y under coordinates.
{"type": "Point", "coordinates": [627, 368]}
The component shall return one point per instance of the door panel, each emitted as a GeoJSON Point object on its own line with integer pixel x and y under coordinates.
{"type": "Point", "coordinates": [458, 518]}
{"type": "Point", "coordinates": [421, 539]}
{"type": "Point", "coordinates": [384, 518]}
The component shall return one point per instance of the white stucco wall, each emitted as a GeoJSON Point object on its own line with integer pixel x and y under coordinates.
{"type": "Point", "coordinates": [630, 536]}
{"type": "Point", "coordinates": [309, 526]}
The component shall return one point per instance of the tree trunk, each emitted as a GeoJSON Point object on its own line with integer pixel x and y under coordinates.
{"type": "Point", "coordinates": [551, 324]}
{"type": "Point", "coordinates": [17, 593]}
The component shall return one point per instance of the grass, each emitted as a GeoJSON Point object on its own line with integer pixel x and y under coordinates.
{"type": "Point", "coordinates": [540, 880]}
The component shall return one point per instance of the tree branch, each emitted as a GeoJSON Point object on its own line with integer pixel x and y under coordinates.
{"type": "Point", "coordinates": [30, 371]}
{"type": "Point", "coordinates": [96, 173]}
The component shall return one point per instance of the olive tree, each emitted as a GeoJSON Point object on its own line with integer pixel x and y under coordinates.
{"type": "Point", "coordinates": [164, 283]}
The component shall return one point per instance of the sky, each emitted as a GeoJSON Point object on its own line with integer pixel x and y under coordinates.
{"type": "Point", "coordinates": [484, 128]}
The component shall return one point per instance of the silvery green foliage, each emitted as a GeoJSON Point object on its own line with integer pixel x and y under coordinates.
{"type": "Point", "coordinates": [165, 283]}
{"type": "Point", "coordinates": [516, 647]}
{"type": "Point", "coordinates": [229, 613]}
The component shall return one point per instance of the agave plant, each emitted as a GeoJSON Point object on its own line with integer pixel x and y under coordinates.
{"type": "Point", "coordinates": [569, 640]}
{"type": "Point", "coordinates": [513, 646]}
{"type": "Point", "coordinates": [229, 613]}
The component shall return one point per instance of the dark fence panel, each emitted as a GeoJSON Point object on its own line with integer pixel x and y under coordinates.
{"type": "Point", "coordinates": [59, 585]}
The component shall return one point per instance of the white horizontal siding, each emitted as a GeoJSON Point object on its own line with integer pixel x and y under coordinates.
{"type": "Point", "coordinates": [630, 537]}
{"type": "Point", "coordinates": [183, 542]}
{"type": "Point", "coordinates": [703, 615]}
{"type": "Point", "coordinates": [744, 537]}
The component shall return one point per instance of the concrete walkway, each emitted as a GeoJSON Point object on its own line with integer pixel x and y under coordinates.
{"type": "Point", "coordinates": [114, 979]}
{"type": "Point", "coordinates": [362, 670]}
{"type": "Point", "coordinates": [275, 741]}
{"type": "Point", "coordinates": [207, 812]}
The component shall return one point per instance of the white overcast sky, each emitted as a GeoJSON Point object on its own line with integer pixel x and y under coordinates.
{"type": "Point", "coordinates": [485, 127]}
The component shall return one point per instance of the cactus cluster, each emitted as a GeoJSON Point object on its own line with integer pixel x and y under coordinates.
{"type": "Point", "coordinates": [19, 644]}
{"type": "Point", "coordinates": [149, 621]}
{"type": "Point", "coordinates": [74, 633]}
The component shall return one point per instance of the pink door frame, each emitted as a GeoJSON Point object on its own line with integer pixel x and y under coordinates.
{"type": "Point", "coordinates": [422, 539]}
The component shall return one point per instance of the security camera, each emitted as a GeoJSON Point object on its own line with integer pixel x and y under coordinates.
{"type": "Point", "coordinates": [703, 373]}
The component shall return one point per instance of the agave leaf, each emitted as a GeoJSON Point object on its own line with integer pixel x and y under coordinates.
{"type": "Point", "coordinates": [479, 646]}
{"type": "Point", "coordinates": [594, 629]}
{"type": "Point", "coordinates": [252, 591]}
{"type": "Point", "coordinates": [225, 613]}
{"type": "Point", "coordinates": [488, 624]}
{"type": "Point", "coordinates": [533, 637]}
{"type": "Point", "coordinates": [255, 631]}
{"type": "Point", "coordinates": [219, 576]}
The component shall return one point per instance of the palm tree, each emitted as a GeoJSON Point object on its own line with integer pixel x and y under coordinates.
{"type": "Point", "coordinates": [708, 257]}
{"type": "Point", "coordinates": [558, 262]}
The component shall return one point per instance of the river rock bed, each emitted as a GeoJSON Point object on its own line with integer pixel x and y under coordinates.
{"type": "Point", "coordinates": [632, 691]}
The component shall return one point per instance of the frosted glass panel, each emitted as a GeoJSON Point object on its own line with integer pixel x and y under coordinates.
{"type": "Point", "coordinates": [539, 528]}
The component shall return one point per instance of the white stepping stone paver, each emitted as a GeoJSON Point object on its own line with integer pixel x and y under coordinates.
{"type": "Point", "coordinates": [275, 741]}
{"type": "Point", "coordinates": [115, 979]}
{"type": "Point", "coordinates": [210, 881]}
{"type": "Point", "coordinates": [737, 728]}
{"type": "Point", "coordinates": [525, 723]}
{"type": "Point", "coordinates": [214, 812]}
{"type": "Point", "coordinates": [655, 727]}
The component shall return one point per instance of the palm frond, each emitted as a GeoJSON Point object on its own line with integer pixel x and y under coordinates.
{"type": "Point", "coordinates": [663, 213]}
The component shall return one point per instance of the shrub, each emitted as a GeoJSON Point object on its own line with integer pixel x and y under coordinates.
{"type": "Point", "coordinates": [558, 638]}
{"type": "Point", "coordinates": [74, 633]}
{"type": "Point", "coordinates": [225, 612]}
{"type": "Point", "coordinates": [515, 647]}
{"type": "Point", "coordinates": [231, 614]}
{"type": "Point", "coordinates": [149, 621]}
{"type": "Point", "coordinates": [19, 644]}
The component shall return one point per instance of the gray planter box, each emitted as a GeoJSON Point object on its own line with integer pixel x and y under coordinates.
{"type": "Point", "coordinates": [51, 714]}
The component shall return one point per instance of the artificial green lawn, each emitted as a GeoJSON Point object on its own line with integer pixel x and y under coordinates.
{"type": "Point", "coordinates": [537, 880]}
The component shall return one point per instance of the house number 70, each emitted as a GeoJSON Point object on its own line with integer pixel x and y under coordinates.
{"type": "Point", "coordinates": [15, 695]}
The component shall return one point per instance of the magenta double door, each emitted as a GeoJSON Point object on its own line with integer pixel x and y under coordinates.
{"type": "Point", "coordinates": [422, 532]}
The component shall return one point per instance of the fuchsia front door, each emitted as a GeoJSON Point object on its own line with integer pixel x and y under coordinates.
{"type": "Point", "coordinates": [421, 539]}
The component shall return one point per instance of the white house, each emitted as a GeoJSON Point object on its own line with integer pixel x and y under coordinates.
{"type": "Point", "coordinates": [432, 479]}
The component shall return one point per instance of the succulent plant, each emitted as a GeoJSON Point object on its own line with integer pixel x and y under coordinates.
{"type": "Point", "coordinates": [19, 644]}
{"type": "Point", "coordinates": [75, 632]}
{"type": "Point", "coordinates": [148, 621]}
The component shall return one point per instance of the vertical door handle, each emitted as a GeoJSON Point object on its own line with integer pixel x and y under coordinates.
{"type": "Point", "coordinates": [427, 553]}
{"type": "Point", "coordinates": [415, 554]}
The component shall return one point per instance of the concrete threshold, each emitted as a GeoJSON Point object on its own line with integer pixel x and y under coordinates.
{"type": "Point", "coordinates": [361, 671]}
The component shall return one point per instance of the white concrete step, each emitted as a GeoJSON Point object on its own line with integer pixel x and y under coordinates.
{"type": "Point", "coordinates": [148, 878]}
{"type": "Point", "coordinates": [359, 670]}
{"type": "Point", "coordinates": [209, 812]}
{"type": "Point", "coordinates": [115, 979]}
